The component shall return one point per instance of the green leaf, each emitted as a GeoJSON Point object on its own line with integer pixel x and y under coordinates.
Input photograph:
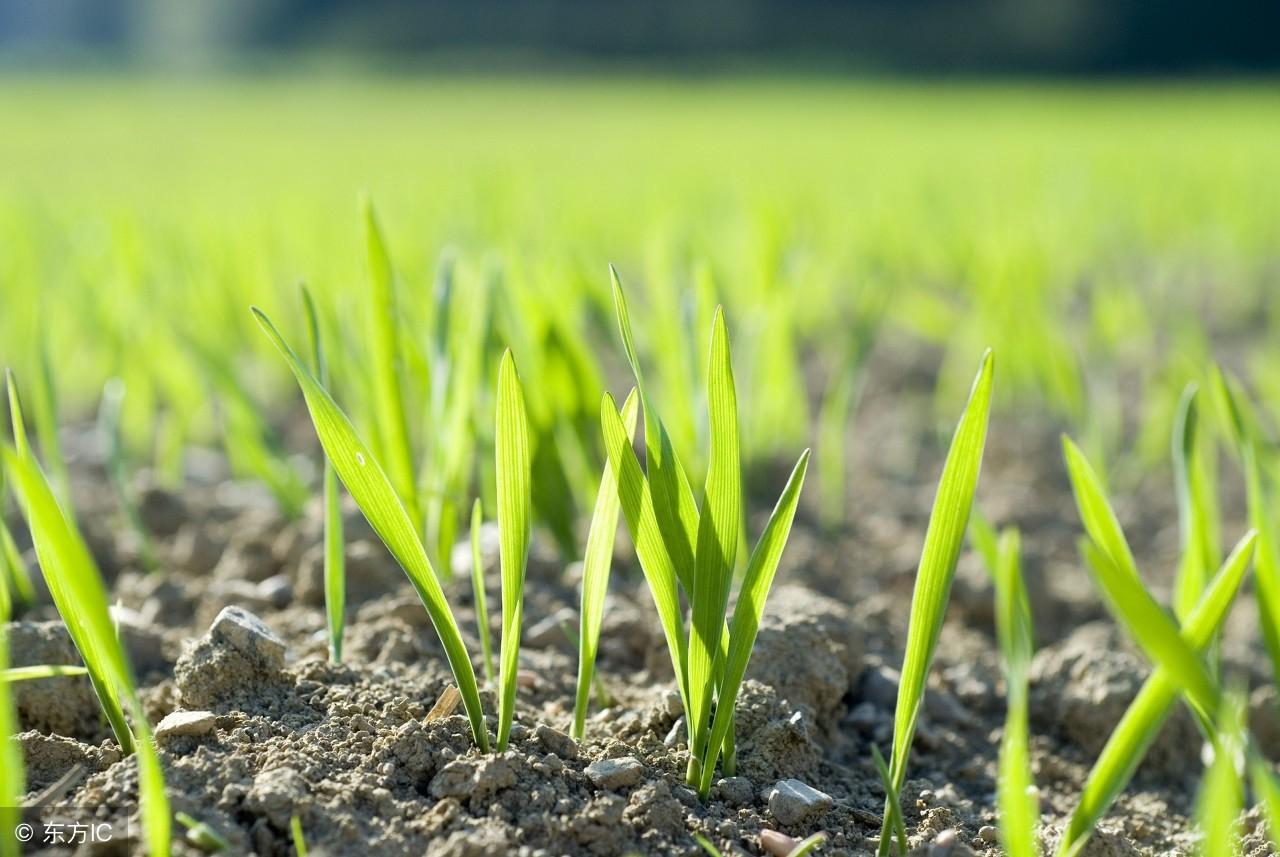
{"type": "Point", "coordinates": [719, 526]}
{"type": "Point", "coordinates": [673, 503]}
{"type": "Point", "coordinates": [369, 485]}
{"type": "Point", "coordinates": [1016, 796]}
{"type": "Point", "coordinates": [387, 368]}
{"type": "Point", "coordinates": [642, 522]}
{"type": "Point", "coordinates": [894, 825]}
{"type": "Point", "coordinates": [511, 433]}
{"type": "Point", "coordinates": [761, 569]}
{"type": "Point", "coordinates": [1197, 509]}
{"type": "Point", "coordinates": [942, 543]}
{"type": "Point", "coordinates": [596, 563]}
{"type": "Point", "coordinates": [202, 835]}
{"type": "Point", "coordinates": [335, 586]}
{"type": "Point", "coordinates": [807, 845]}
{"type": "Point", "coordinates": [299, 841]}
{"type": "Point", "coordinates": [1149, 625]}
{"type": "Point", "coordinates": [478, 591]}
{"type": "Point", "coordinates": [42, 671]}
{"type": "Point", "coordinates": [1141, 722]}
{"type": "Point", "coordinates": [1219, 803]}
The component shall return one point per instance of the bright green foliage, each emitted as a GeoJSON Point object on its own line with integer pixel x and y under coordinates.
{"type": "Point", "coordinates": [666, 525]}
{"type": "Point", "coordinates": [15, 578]}
{"type": "Point", "coordinates": [1016, 795]}
{"type": "Point", "coordinates": [202, 835]}
{"type": "Point", "coordinates": [299, 841]}
{"type": "Point", "coordinates": [1145, 620]}
{"type": "Point", "coordinates": [373, 492]}
{"type": "Point", "coordinates": [335, 577]}
{"type": "Point", "coordinates": [391, 423]}
{"type": "Point", "coordinates": [895, 828]}
{"type": "Point", "coordinates": [41, 671]}
{"type": "Point", "coordinates": [717, 545]}
{"type": "Point", "coordinates": [511, 449]}
{"type": "Point", "coordinates": [807, 845]}
{"type": "Point", "coordinates": [1193, 456]}
{"type": "Point", "coordinates": [596, 563]}
{"type": "Point", "coordinates": [1220, 800]}
{"type": "Point", "coordinates": [44, 413]}
{"type": "Point", "coordinates": [942, 543]}
{"type": "Point", "coordinates": [1132, 737]}
{"type": "Point", "coordinates": [1241, 423]}
{"type": "Point", "coordinates": [79, 594]}
{"type": "Point", "coordinates": [478, 593]}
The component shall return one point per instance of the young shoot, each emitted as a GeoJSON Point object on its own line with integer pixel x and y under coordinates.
{"type": "Point", "coordinates": [511, 450]}
{"type": "Point", "coordinates": [942, 542]}
{"type": "Point", "coordinates": [684, 548]}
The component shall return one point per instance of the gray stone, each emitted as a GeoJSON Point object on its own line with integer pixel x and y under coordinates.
{"type": "Point", "coordinates": [278, 794]}
{"type": "Point", "coordinates": [615, 773]}
{"type": "Point", "coordinates": [793, 802]}
{"type": "Point", "coordinates": [241, 630]}
{"type": "Point", "coordinates": [186, 723]}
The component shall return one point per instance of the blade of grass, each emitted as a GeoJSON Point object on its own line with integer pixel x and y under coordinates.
{"type": "Point", "coordinates": [511, 433]}
{"type": "Point", "coordinates": [299, 841]}
{"type": "Point", "coordinates": [335, 585]}
{"type": "Point", "coordinates": [1220, 800]}
{"type": "Point", "coordinates": [596, 563]}
{"type": "Point", "coordinates": [478, 592]}
{"type": "Point", "coordinates": [108, 427]}
{"type": "Point", "coordinates": [1141, 722]}
{"type": "Point", "coordinates": [761, 569]}
{"type": "Point", "coordinates": [1149, 625]}
{"type": "Point", "coordinates": [637, 508]}
{"type": "Point", "coordinates": [387, 368]}
{"type": "Point", "coordinates": [1016, 796]}
{"type": "Point", "coordinates": [1195, 504]}
{"type": "Point", "coordinates": [202, 835]}
{"type": "Point", "coordinates": [894, 825]}
{"type": "Point", "coordinates": [942, 543]}
{"type": "Point", "coordinates": [373, 492]}
{"type": "Point", "coordinates": [807, 845]}
{"type": "Point", "coordinates": [42, 671]}
{"type": "Point", "coordinates": [719, 526]}
{"type": "Point", "coordinates": [78, 592]}
{"type": "Point", "coordinates": [1267, 791]}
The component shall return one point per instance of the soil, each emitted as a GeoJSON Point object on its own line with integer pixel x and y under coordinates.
{"type": "Point", "coordinates": [350, 749]}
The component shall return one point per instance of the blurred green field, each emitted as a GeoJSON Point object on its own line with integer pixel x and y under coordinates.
{"type": "Point", "coordinates": [1067, 226]}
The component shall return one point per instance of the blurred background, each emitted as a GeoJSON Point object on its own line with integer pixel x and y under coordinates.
{"type": "Point", "coordinates": [876, 191]}
{"type": "Point", "coordinates": [1041, 36]}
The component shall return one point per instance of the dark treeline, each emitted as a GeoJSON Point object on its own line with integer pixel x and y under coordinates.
{"type": "Point", "coordinates": [1038, 36]}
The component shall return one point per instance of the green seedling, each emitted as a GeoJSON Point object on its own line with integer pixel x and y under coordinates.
{"type": "Point", "coordinates": [369, 485]}
{"type": "Point", "coordinates": [511, 433]}
{"type": "Point", "coordinates": [596, 563]}
{"type": "Point", "coordinates": [15, 578]}
{"type": "Point", "coordinates": [478, 593]}
{"type": "Point", "coordinates": [391, 424]}
{"type": "Point", "coordinates": [894, 833]}
{"type": "Point", "coordinates": [299, 841]}
{"type": "Point", "coordinates": [42, 671]}
{"type": "Point", "coordinates": [78, 593]}
{"type": "Point", "coordinates": [803, 847]}
{"type": "Point", "coordinates": [1220, 800]}
{"type": "Point", "coordinates": [1137, 729]}
{"type": "Point", "coordinates": [335, 585]}
{"type": "Point", "coordinates": [1016, 791]}
{"type": "Point", "coordinates": [942, 543]}
{"type": "Point", "coordinates": [682, 547]}
{"type": "Point", "coordinates": [1197, 507]}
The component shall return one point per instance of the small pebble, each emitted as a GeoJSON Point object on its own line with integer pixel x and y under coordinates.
{"type": "Point", "coordinates": [793, 802]}
{"type": "Point", "coordinates": [988, 834]}
{"type": "Point", "coordinates": [615, 773]}
{"type": "Point", "coordinates": [186, 723]}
